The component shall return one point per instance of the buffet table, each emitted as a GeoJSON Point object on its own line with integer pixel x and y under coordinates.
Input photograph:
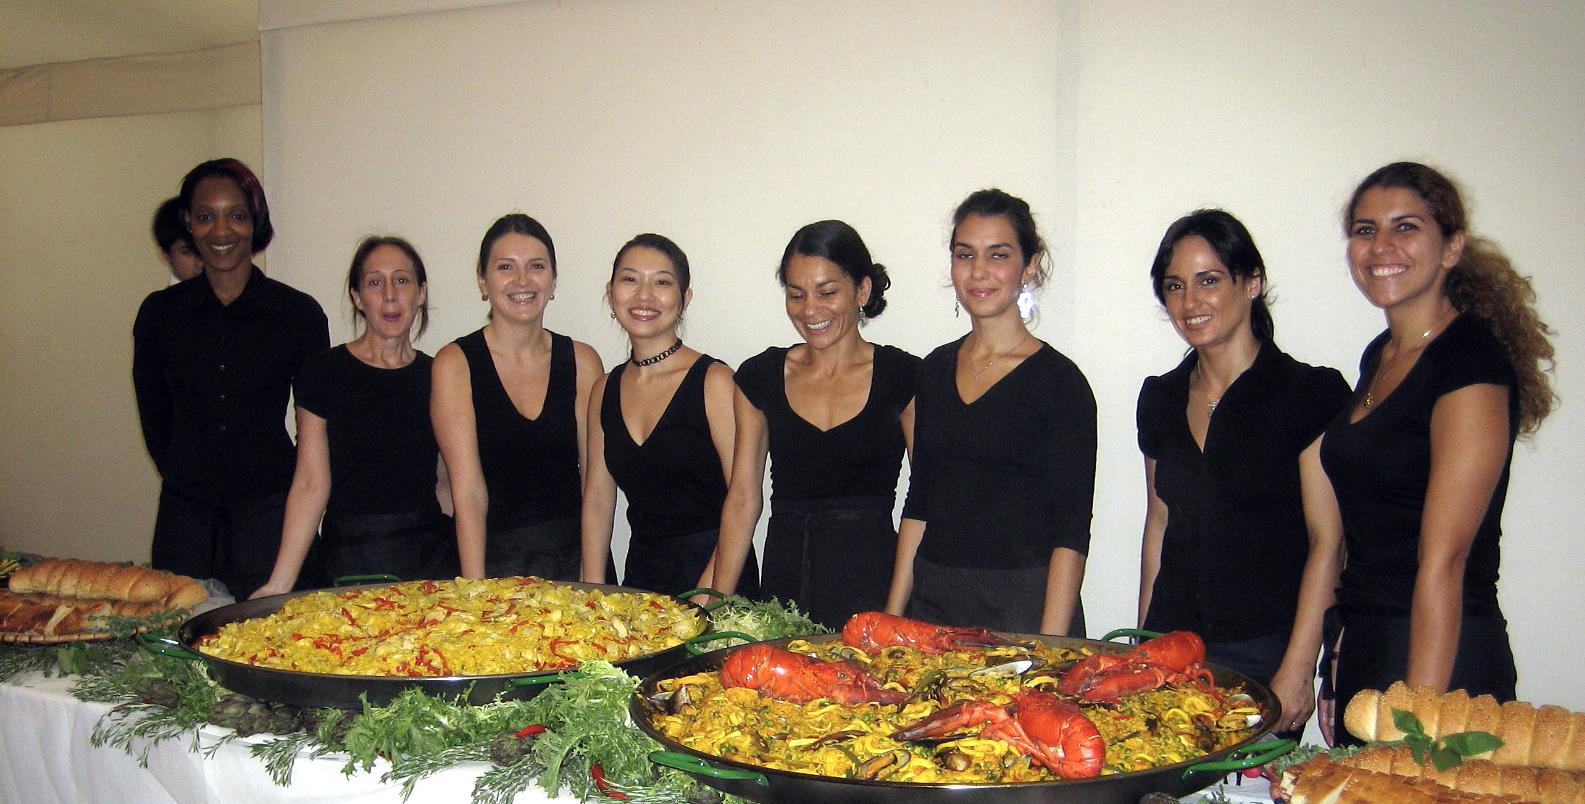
{"type": "Point", "coordinates": [45, 757]}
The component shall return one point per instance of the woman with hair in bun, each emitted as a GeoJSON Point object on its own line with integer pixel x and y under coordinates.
{"type": "Point", "coordinates": [213, 360]}
{"type": "Point", "coordinates": [997, 523]}
{"type": "Point", "coordinates": [660, 428]}
{"type": "Point", "coordinates": [366, 452]}
{"type": "Point", "coordinates": [1419, 457]}
{"type": "Point", "coordinates": [835, 415]}
{"type": "Point", "coordinates": [1233, 480]}
{"type": "Point", "coordinates": [508, 406]}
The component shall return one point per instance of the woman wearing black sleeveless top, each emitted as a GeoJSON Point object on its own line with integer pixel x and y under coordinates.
{"type": "Point", "coordinates": [1419, 458]}
{"type": "Point", "coordinates": [366, 453]}
{"type": "Point", "coordinates": [835, 416]}
{"type": "Point", "coordinates": [678, 402]}
{"type": "Point", "coordinates": [508, 407]}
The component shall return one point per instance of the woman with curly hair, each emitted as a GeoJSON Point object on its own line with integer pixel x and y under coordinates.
{"type": "Point", "coordinates": [1420, 456]}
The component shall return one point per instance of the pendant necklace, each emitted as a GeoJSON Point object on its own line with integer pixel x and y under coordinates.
{"type": "Point", "coordinates": [981, 369]}
{"type": "Point", "coordinates": [650, 361]}
{"type": "Point", "coordinates": [1370, 390]}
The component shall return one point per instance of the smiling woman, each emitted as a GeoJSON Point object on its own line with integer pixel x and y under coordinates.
{"type": "Point", "coordinates": [834, 414]}
{"type": "Point", "coordinates": [509, 408]}
{"type": "Point", "coordinates": [213, 361]}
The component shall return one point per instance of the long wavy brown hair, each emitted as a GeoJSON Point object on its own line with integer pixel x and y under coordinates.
{"type": "Point", "coordinates": [1484, 283]}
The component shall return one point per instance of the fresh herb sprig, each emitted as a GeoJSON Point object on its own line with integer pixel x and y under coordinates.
{"type": "Point", "coordinates": [760, 619]}
{"type": "Point", "coordinates": [1446, 753]}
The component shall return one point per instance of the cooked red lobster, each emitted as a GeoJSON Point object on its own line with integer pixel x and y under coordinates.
{"type": "Point", "coordinates": [1169, 658]}
{"type": "Point", "coordinates": [870, 631]}
{"type": "Point", "coordinates": [1051, 731]}
{"type": "Point", "coordinates": [781, 674]}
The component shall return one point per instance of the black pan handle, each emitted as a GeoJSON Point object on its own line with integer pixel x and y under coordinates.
{"type": "Point", "coordinates": [692, 644]}
{"type": "Point", "coordinates": [707, 592]}
{"type": "Point", "coordinates": [688, 763]}
{"type": "Point", "coordinates": [1247, 757]}
{"type": "Point", "coordinates": [165, 646]}
{"type": "Point", "coordinates": [352, 580]}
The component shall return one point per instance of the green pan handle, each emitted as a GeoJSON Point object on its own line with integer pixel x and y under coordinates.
{"type": "Point", "coordinates": [349, 580]}
{"type": "Point", "coordinates": [545, 679]}
{"type": "Point", "coordinates": [689, 763]}
{"type": "Point", "coordinates": [165, 646]}
{"type": "Point", "coordinates": [1130, 632]}
{"type": "Point", "coordinates": [707, 592]}
{"type": "Point", "coordinates": [1247, 757]}
{"type": "Point", "coordinates": [692, 644]}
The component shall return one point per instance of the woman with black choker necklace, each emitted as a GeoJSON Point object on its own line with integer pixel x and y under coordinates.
{"type": "Point", "coordinates": [508, 404]}
{"type": "Point", "coordinates": [997, 523]}
{"type": "Point", "coordinates": [835, 415]}
{"type": "Point", "coordinates": [660, 428]}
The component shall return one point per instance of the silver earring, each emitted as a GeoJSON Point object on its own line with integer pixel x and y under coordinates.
{"type": "Point", "coordinates": [957, 308]}
{"type": "Point", "coordinates": [613, 315]}
{"type": "Point", "coordinates": [1028, 302]}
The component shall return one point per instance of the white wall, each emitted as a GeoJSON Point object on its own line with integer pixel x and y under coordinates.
{"type": "Point", "coordinates": [76, 259]}
{"type": "Point", "coordinates": [726, 126]}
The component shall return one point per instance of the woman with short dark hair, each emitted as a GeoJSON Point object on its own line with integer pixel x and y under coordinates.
{"type": "Point", "coordinates": [213, 361]}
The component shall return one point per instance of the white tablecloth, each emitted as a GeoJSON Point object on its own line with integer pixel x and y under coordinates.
{"type": "Point", "coordinates": [45, 757]}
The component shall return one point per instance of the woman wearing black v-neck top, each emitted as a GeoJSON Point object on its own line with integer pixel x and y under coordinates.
{"type": "Point", "coordinates": [660, 428]}
{"type": "Point", "coordinates": [997, 523]}
{"type": "Point", "coordinates": [835, 416]}
{"type": "Point", "coordinates": [508, 404]}
{"type": "Point", "coordinates": [1420, 456]}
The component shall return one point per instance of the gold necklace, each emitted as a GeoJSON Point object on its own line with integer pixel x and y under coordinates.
{"type": "Point", "coordinates": [1370, 390]}
{"type": "Point", "coordinates": [981, 369]}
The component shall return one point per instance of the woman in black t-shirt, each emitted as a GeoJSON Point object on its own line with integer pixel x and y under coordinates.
{"type": "Point", "coordinates": [835, 415]}
{"type": "Point", "coordinates": [1419, 457]}
{"type": "Point", "coordinates": [366, 454]}
{"type": "Point", "coordinates": [660, 427]}
{"type": "Point", "coordinates": [1233, 476]}
{"type": "Point", "coordinates": [997, 523]}
{"type": "Point", "coordinates": [508, 406]}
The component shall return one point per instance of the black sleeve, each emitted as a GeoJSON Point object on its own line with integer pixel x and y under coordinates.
{"type": "Point", "coordinates": [312, 388]}
{"type": "Point", "coordinates": [148, 382]}
{"type": "Point", "coordinates": [752, 378]}
{"type": "Point", "coordinates": [1072, 445]}
{"type": "Point", "coordinates": [1326, 393]}
{"type": "Point", "coordinates": [1145, 420]}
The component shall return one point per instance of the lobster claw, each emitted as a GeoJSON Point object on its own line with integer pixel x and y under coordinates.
{"type": "Point", "coordinates": [874, 630]}
{"type": "Point", "coordinates": [1049, 730]}
{"type": "Point", "coordinates": [1169, 658]}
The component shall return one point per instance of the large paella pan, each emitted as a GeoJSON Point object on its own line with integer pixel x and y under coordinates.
{"type": "Point", "coordinates": [822, 750]}
{"type": "Point", "coordinates": [318, 687]}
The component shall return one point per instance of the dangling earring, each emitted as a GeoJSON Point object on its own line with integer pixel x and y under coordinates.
{"type": "Point", "coordinates": [613, 315]}
{"type": "Point", "coordinates": [1027, 302]}
{"type": "Point", "coordinates": [484, 297]}
{"type": "Point", "coordinates": [957, 308]}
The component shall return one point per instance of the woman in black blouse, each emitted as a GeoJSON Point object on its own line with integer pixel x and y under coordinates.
{"type": "Point", "coordinates": [835, 415]}
{"type": "Point", "coordinates": [1233, 477]}
{"type": "Point", "coordinates": [508, 405]}
{"type": "Point", "coordinates": [660, 427]}
{"type": "Point", "coordinates": [997, 523]}
{"type": "Point", "coordinates": [366, 453]}
{"type": "Point", "coordinates": [1419, 458]}
{"type": "Point", "coordinates": [212, 364]}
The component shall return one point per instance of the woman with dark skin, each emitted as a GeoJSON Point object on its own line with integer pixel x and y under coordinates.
{"type": "Point", "coordinates": [366, 451]}
{"type": "Point", "coordinates": [509, 404]}
{"type": "Point", "coordinates": [997, 523]}
{"type": "Point", "coordinates": [835, 416]}
{"type": "Point", "coordinates": [1233, 476]}
{"type": "Point", "coordinates": [660, 427]}
{"type": "Point", "coordinates": [212, 364]}
{"type": "Point", "coordinates": [1419, 457]}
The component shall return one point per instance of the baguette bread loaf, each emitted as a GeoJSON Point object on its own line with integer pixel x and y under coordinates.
{"type": "Point", "coordinates": [1321, 781]}
{"type": "Point", "coordinates": [73, 578]}
{"type": "Point", "coordinates": [1545, 785]}
{"type": "Point", "coordinates": [1546, 736]}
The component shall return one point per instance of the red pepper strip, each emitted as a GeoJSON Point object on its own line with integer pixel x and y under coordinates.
{"type": "Point", "coordinates": [557, 643]}
{"type": "Point", "coordinates": [445, 665]}
{"type": "Point", "coordinates": [598, 774]}
{"type": "Point", "coordinates": [527, 730]}
{"type": "Point", "coordinates": [429, 586]}
{"type": "Point", "coordinates": [348, 615]}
